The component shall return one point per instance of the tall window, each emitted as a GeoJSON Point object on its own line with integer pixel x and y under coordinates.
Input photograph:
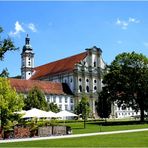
{"type": "Point", "coordinates": [87, 88]}
{"type": "Point", "coordinates": [95, 87]}
{"type": "Point", "coordinates": [65, 100]}
{"type": "Point", "coordinates": [80, 88]}
{"type": "Point", "coordinates": [60, 107]}
{"type": "Point", "coordinates": [94, 64]}
{"type": "Point", "coordinates": [54, 99]}
{"type": "Point", "coordinates": [71, 107]}
{"type": "Point", "coordinates": [60, 100]}
{"type": "Point", "coordinates": [71, 100]}
{"type": "Point", "coordinates": [48, 99]}
{"type": "Point", "coordinates": [71, 80]}
{"type": "Point", "coordinates": [66, 107]}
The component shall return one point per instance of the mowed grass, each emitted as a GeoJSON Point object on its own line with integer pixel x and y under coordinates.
{"type": "Point", "coordinates": [137, 139]}
{"type": "Point", "coordinates": [92, 127]}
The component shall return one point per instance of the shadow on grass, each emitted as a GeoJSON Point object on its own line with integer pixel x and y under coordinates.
{"type": "Point", "coordinates": [115, 123]}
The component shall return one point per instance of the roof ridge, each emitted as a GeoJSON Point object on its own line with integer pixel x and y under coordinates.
{"type": "Point", "coordinates": [41, 81]}
{"type": "Point", "coordinates": [60, 60]}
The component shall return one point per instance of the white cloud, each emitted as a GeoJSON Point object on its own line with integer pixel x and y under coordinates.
{"type": "Point", "coordinates": [133, 20]}
{"type": "Point", "coordinates": [32, 27]}
{"type": "Point", "coordinates": [125, 23]}
{"type": "Point", "coordinates": [18, 29]}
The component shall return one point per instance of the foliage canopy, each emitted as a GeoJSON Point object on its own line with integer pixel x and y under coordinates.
{"type": "Point", "coordinates": [10, 102]}
{"type": "Point", "coordinates": [127, 81]}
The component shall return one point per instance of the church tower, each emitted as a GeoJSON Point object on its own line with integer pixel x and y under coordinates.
{"type": "Point", "coordinates": [27, 58]}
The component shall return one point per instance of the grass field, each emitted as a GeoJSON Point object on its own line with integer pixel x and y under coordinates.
{"type": "Point", "coordinates": [91, 127]}
{"type": "Point", "coordinates": [138, 139]}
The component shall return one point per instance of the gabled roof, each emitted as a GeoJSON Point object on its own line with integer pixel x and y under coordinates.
{"type": "Point", "coordinates": [60, 66]}
{"type": "Point", "coordinates": [24, 86]}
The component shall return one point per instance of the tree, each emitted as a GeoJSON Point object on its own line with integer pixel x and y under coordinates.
{"type": "Point", "coordinates": [5, 45]}
{"type": "Point", "coordinates": [53, 107]}
{"type": "Point", "coordinates": [83, 108]}
{"type": "Point", "coordinates": [103, 104]}
{"type": "Point", "coordinates": [10, 102]}
{"type": "Point", "coordinates": [36, 99]}
{"type": "Point", "coordinates": [127, 81]}
{"type": "Point", "coordinates": [4, 73]}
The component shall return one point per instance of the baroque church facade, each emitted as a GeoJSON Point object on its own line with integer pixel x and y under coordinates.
{"type": "Point", "coordinates": [65, 81]}
{"type": "Point", "coordinates": [81, 73]}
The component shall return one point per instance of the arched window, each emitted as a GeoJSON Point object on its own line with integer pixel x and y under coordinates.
{"type": "Point", "coordinates": [71, 80]}
{"type": "Point", "coordinates": [80, 80]}
{"type": "Point", "coordinates": [87, 88]}
{"type": "Point", "coordinates": [80, 88]}
{"type": "Point", "coordinates": [87, 80]}
{"type": "Point", "coordinates": [95, 87]}
{"type": "Point", "coordinates": [94, 64]}
{"type": "Point", "coordinates": [95, 81]}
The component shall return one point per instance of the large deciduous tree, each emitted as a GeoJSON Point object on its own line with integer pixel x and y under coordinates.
{"type": "Point", "coordinates": [53, 107]}
{"type": "Point", "coordinates": [127, 81]}
{"type": "Point", "coordinates": [83, 108]}
{"type": "Point", "coordinates": [103, 105]}
{"type": "Point", "coordinates": [36, 99]}
{"type": "Point", "coordinates": [6, 44]}
{"type": "Point", "coordinates": [10, 102]}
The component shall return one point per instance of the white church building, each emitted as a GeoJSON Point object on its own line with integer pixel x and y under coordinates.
{"type": "Point", "coordinates": [66, 80]}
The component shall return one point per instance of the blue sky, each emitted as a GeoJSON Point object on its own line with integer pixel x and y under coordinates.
{"type": "Point", "coordinates": [61, 29]}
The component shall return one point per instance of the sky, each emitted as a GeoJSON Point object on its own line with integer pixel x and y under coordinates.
{"type": "Point", "coordinates": [58, 29]}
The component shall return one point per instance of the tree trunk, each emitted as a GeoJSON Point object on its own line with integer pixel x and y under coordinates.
{"type": "Point", "coordinates": [84, 122]}
{"type": "Point", "coordinates": [141, 114]}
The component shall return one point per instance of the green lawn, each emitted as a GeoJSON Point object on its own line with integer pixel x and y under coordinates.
{"type": "Point", "coordinates": [91, 127]}
{"type": "Point", "coordinates": [138, 139]}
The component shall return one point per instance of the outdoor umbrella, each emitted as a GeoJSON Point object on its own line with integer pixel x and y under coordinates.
{"type": "Point", "coordinates": [35, 113]}
{"type": "Point", "coordinates": [65, 113]}
{"type": "Point", "coordinates": [20, 112]}
{"type": "Point", "coordinates": [51, 114]}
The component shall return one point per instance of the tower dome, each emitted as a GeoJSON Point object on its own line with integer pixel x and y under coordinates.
{"type": "Point", "coordinates": [27, 57]}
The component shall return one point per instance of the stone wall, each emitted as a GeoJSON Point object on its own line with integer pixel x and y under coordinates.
{"type": "Point", "coordinates": [45, 131]}
{"type": "Point", "coordinates": [21, 132]}
{"type": "Point", "coordinates": [59, 130]}
{"type": "Point", "coordinates": [24, 132]}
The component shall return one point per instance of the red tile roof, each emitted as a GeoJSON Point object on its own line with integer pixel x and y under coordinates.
{"type": "Point", "coordinates": [60, 66]}
{"type": "Point", "coordinates": [23, 86]}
